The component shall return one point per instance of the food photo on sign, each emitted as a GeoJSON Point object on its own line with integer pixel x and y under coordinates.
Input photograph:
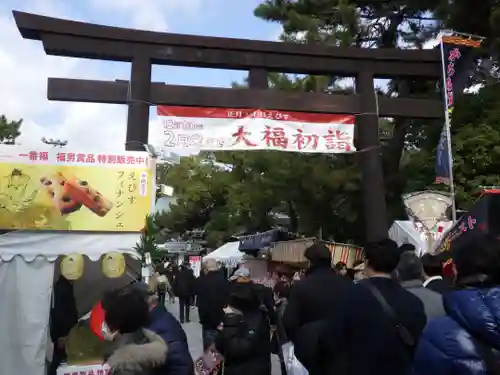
{"type": "Point", "coordinates": [59, 190]}
{"type": "Point", "coordinates": [231, 129]}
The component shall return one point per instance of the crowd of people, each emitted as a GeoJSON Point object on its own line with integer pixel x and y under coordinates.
{"type": "Point", "coordinates": [393, 314]}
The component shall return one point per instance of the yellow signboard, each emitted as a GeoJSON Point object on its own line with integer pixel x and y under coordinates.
{"type": "Point", "coordinates": [62, 190]}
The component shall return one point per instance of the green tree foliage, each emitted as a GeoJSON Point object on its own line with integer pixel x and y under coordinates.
{"type": "Point", "coordinates": [9, 130]}
{"type": "Point", "coordinates": [147, 243]}
{"type": "Point", "coordinates": [476, 148]}
{"type": "Point", "coordinates": [201, 188]}
{"type": "Point", "coordinates": [321, 193]}
{"type": "Point", "coordinates": [317, 192]}
{"type": "Point", "coordinates": [368, 23]}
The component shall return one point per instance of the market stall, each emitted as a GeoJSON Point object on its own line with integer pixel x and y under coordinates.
{"type": "Point", "coordinates": [75, 214]}
{"type": "Point", "coordinates": [292, 252]}
{"type": "Point", "coordinates": [229, 254]}
{"type": "Point", "coordinates": [256, 248]}
{"type": "Point", "coordinates": [28, 266]}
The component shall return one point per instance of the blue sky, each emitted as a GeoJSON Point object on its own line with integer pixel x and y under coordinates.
{"type": "Point", "coordinates": [26, 68]}
{"type": "Point", "coordinates": [223, 18]}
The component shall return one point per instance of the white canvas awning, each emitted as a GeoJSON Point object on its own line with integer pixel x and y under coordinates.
{"type": "Point", "coordinates": [228, 254]}
{"type": "Point", "coordinates": [50, 245]}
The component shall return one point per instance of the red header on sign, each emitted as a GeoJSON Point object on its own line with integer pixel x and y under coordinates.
{"type": "Point", "coordinates": [239, 113]}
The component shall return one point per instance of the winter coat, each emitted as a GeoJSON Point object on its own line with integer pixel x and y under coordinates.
{"type": "Point", "coordinates": [265, 295]}
{"type": "Point", "coordinates": [279, 337]}
{"type": "Point", "coordinates": [433, 301]}
{"type": "Point", "coordinates": [63, 313]}
{"type": "Point", "coordinates": [313, 298]}
{"type": "Point", "coordinates": [212, 294]}
{"type": "Point", "coordinates": [244, 342]}
{"type": "Point", "coordinates": [362, 339]}
{"type": "Point", "coordinates": [164, 324]}
{"type": "Point", "coordinates": [138, 353]}
{"type": "Point", "coordinates": [437, 284]}
{"type": "Point", "coordinates": [448, 345]}
{"type": "Point", "coordinates": [184, 284]}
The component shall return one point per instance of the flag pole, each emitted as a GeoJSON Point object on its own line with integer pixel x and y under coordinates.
{"type": "Point", "coordinates": [448, 136]}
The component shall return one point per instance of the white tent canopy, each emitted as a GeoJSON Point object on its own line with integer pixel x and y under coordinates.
{"type": "Point", "coordinates": [27, 268]}
{"type": "Point", "coordinates": [228, 254]}
{"type": "Point", "coordinates": [405, 232]}
{"type": "Point", "coordinates": [50, 245]}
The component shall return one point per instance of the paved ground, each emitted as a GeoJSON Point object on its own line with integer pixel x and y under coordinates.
{"type": "Point", "coordinates": [193, 332]}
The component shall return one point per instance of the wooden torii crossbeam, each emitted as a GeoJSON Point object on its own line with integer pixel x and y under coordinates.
{"type": "Point", "coordinates": [145, 48]}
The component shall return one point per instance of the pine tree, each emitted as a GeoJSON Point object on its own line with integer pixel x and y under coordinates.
{"type": "Point", "coordinates": [9, 130]}
{"type": "Point", "coordinates": [147, 243]}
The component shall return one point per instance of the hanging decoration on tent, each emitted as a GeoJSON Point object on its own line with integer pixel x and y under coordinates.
{"type": "Point", "coordinates": [72, 266]}
{"type": "Point", "coordinates": [426, 209]}
{"type": "Point", "coordinates": [113, 265]}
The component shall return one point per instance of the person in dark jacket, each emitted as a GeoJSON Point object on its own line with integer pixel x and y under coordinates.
{"type": "Point", "coordinates": [410, 274]}
{"type": "Point", "coordinates": [242, 276]}
{"type": "Point", "coordinates": [317, 295]}
{"type": "Point", "coordinates": [467, 340]}
{"type": "Point", "coordinates": [313, 301]}
{"type": "Point", "coordinates": [63, 317]}
{"type": "Point", "coordinates": [433, 273]}
{"type": "Point", "coordinates": [134, 350]}
{"type": "Point", "coordinates": [170, 273]}
{"type": "Point", "coordinates": [162, 323]}
{"type": "Point", "coordinates": [243, 339]}
{"type": "Point", "coordinates": [368, 339]}
{"type": "Point", "coordinates": [223, 270]}
{"type": "Point", "coordinates": [281, 294]}
{"type": "Point", "coordinates": [184, 289]}
{"type": "Point", "coordinates": [212, 293]}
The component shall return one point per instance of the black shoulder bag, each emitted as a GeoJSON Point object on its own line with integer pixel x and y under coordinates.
{"type": "Point", "coordinates": [405, 335]}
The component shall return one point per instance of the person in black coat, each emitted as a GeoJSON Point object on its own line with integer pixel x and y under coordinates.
{"type": "Point", "coordinates": [63, 317]}
{"type": "Point", "coordinates": [243, 337]}
{"type": "Point", "coordinates": [317, 295]}
{"type": "Point", "coordinates": [368, 339]}
{"type": "Point", "coordinates": [242, 276]}
{"type": "Point", "coordinates": [281, 292]}
{"type": "Point", "coordinates": [312, 302]}
{"type": "Point", "coordinates": [433, 274]}
{"type": "Point", "coordinates": [212, 293]}
{"type": "Point", "coordinates": [223, 270]}
{"type": "Point", "coordinates": [184, 289]}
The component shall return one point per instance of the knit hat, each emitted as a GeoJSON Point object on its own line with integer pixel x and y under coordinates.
{"type": "Point", "coordinates": [240, 272]}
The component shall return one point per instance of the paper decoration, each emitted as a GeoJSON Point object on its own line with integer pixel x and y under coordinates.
{"type": "Point", "coordinates": [98, 369]}
{"type": "Point", "coordinates": [72, 266]}
{"type": "Point", "coordinates": [113, 265]}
